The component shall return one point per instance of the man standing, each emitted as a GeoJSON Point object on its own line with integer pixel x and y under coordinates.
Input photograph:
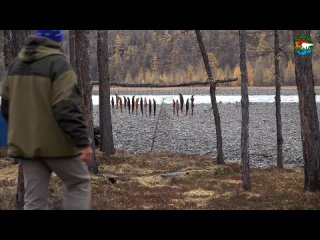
{"type": "Point", "coordinates": [41, 102]}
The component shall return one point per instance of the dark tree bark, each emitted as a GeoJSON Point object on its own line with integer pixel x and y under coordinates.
{"type": "Point", "coordinates": [214, 104]}
{"type": "Point", "coordinates": [308, 118]}
{"type": "Point", "coordinates": [20, 189]}
{"type": "Point", "coordinates": [245, 113]}
{"type": "Point", "coordinates": [72, 49]}
{"type": "Point", "coordinates": [106, 134]}
{"type": "Point", "coordinates": [13, 41]}
{"type": "Point", "coordinates": [7, 48]}
{"type": "Point", "coordinates": [278, 99]}
{"type": "Point", "coordinates": [82, 70]}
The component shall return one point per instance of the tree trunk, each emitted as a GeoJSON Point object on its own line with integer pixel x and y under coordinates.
{"type": "Point", "coordinates": [308, 117]}
{"type": "Point", "coordinates": [106, 135]}
{"type": "Point", "coordinates": [13, 41]}
{"type": "Point", "coordinates": [20, 189]}
{"type": "Point", "coordinates": [71, 49]}
{"type": "Point", "coordinates": [278, 99]}
{"type": "Point", "coordinates": [82, 70]}
{"type": "Point", "coordinates": [7, 47]}
{"type": "Point", "coordinates": [245, 113]}
{"type": "Point", "coordinates": [214, 104]}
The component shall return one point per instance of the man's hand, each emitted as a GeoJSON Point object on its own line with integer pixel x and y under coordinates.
{"type": "Point", "coordinates": [86, 155]}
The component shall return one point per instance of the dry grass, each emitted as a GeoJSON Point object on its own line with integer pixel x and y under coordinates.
{"type": "Point", "coordinates": [205, 186]}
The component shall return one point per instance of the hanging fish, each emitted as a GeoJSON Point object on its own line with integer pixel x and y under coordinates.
{"type": "Point", "coordinates": [145, 105]}
{"type": "Point", "coordinates": [181, 102]}
{"type": "Point", "coordinates": [125, 101]}
{"type": "Point", "coordinates": [120, 103]}
{"type": "Point", "coordinates": [132, 106]}
{"type": "Point", "coordinates": [174, 106]}
{"type": "Point", "coordinates": [187, 106]}
{"type": "Point", "coordinates": [141, 105]}
{"type": "Point", "coordinates": [177, 107]}
{"type": "Point", "coordinates": [192, 104]}
{"type": "Point", "coordinates": [150, 107]}
{"type": "Point", "coordinates": [137, 106]}
{"type": "Point", "coordinates": [117, 101]}
{"type": "Point", "coordinates": [128, 101]}
{"type": "Point", "coordinates": [112, 103]}
{"type": "Point", "coordinates": [154, 107]}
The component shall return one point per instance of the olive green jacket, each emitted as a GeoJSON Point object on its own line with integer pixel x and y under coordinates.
{"type": "Point", "coordinates": [41, 100]}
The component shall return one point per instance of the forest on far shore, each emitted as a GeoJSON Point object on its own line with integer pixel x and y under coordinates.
{"type": "Point", "coordinates": [173, 56]}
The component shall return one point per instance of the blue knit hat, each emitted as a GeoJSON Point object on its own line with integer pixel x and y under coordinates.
{"type": "Point", "coordinates": [55, 35]}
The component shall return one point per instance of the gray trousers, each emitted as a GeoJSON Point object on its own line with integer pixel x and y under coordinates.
{"type": "Point", "coordinates": [72, 171]}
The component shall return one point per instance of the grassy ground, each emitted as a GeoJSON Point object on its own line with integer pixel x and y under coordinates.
{"type": "Point", "coordinates": [204, 185]}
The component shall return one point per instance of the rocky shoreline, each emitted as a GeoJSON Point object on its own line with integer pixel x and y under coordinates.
{"type": "Point", "coordinates": [196, 134]}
